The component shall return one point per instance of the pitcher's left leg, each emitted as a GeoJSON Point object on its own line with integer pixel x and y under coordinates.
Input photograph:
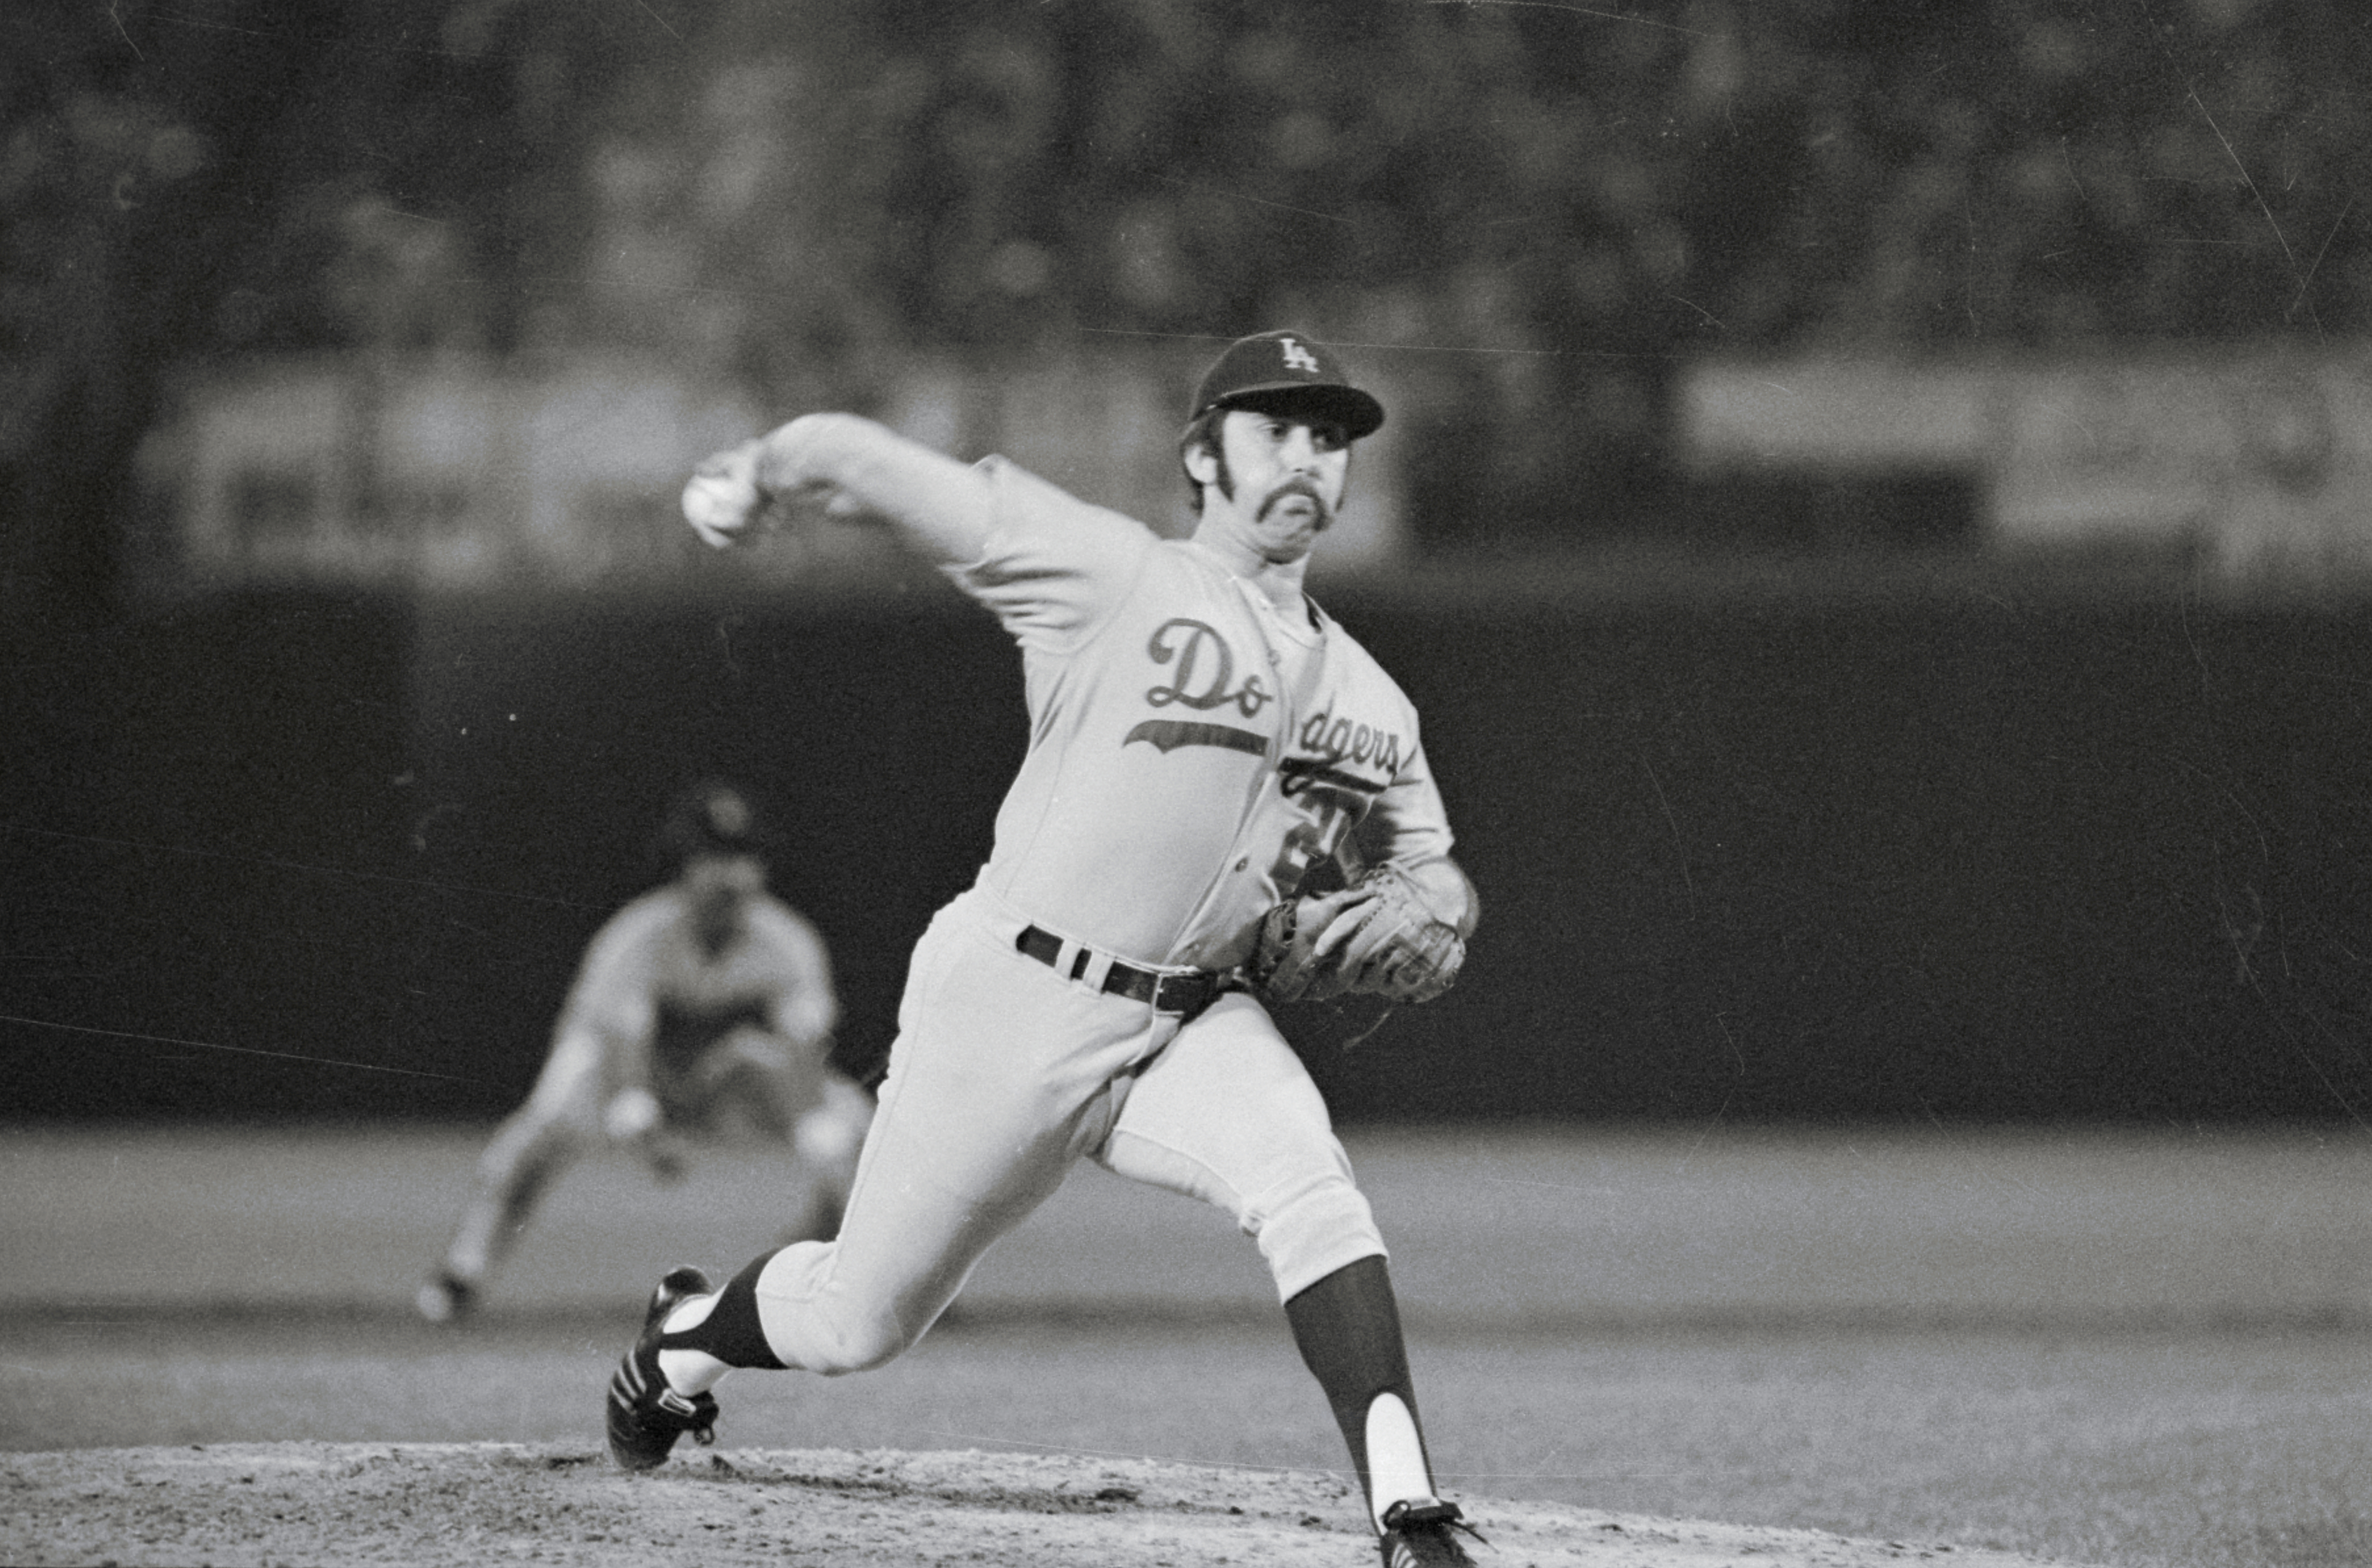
{"type": "Point", "coordinates": [1228, 1114]}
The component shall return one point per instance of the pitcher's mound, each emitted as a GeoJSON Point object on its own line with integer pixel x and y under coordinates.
{"type": "Point", "coordinates": [332, 1504]}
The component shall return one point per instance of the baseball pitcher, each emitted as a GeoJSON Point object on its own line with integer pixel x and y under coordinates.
{"type": "Point", "coordinates": [703, 1007]}
{"type": "Point", "coordinates": [1202, 735]}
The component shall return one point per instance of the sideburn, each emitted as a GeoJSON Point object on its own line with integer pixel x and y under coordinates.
{"type": "Point", "coordinates": [1204, 433]}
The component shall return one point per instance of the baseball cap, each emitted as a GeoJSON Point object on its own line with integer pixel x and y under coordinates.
{"type": "Point", "coordinates": [1285, 371]}
{"type": "Point", "coordinates": [712, 816]}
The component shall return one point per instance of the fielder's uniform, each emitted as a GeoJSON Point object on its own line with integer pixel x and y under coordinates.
{"type": "Point", "coordinates": [1193, 751]}
{"type": "Point", "coordinates": [741, 1031]}
{"type": "Point", "coordinates": [730, 1038]}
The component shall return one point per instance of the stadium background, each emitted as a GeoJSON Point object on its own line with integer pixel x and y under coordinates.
{"type": "Point", "coordinates": [1875, 518]}
{"type": "Point", "coordinates": [1799, 787]}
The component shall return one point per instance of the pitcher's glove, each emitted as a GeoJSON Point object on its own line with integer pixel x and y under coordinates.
{"type": "Point", "coordinates": [1377, 936]}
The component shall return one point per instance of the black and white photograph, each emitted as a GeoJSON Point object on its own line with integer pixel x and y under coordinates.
{"type": "Point", "coordinates": [1460, 783]}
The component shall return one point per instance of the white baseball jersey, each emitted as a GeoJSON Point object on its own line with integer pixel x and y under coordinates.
{"type": "Point", "coordinates": [647, 981]}
{"type": "Point", "coordinates": [1193, 751]}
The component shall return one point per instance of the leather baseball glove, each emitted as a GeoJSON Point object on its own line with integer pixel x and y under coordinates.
{"type": "Point", "coordinates": [1377, 937]}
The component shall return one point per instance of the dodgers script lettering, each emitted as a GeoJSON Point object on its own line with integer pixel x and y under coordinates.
{"type": "Point", "coordinates": [1206, 669]}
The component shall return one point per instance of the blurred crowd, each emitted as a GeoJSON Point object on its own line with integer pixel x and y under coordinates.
{"type": "Point", "coordinates": [1543, 207]}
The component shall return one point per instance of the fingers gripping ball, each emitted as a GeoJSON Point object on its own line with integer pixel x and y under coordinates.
{"type": "Point", "coordinates": [1377, 937]}
{"type": "Point", "coordinates": [721, 501]}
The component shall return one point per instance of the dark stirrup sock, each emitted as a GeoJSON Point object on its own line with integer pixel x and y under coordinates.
{"type": "Point", "coordinates": [731, 1332]}
{"type": "Point", "coordinates": [1348, 1328]}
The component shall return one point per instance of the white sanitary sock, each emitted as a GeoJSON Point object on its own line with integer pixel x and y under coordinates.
{"type": "Point", "coordinates": [690, 1372]}
{"type": "Point", "coordinates": [1396, 1470]}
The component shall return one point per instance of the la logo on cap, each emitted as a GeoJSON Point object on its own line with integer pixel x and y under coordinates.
{"type": "Point", "coordinates": [1282, 370]}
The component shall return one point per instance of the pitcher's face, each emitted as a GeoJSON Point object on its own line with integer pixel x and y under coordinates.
{"type": "Point", "coordinates": [1286, 474]}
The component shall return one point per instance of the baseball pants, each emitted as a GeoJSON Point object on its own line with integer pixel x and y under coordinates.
{"type": "Point", "coordinates": [1003, 1073]}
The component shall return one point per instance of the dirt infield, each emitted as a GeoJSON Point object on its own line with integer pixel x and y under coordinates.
{"type": "Point", "coordinates": [2145, 1352]}
{"type": "Point", "coordinates": [332, 1504]}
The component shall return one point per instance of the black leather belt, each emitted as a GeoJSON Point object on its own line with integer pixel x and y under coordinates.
{"type": "Point", "coordinates": [1186, 995]}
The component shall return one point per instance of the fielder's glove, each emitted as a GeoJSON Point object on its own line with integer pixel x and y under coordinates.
{"type": "Point", "coordinates": [1377, 937]}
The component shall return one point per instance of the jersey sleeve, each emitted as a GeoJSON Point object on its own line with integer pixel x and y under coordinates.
{"type": "Point", "coordinates": [804, 1007]}
{"type": "Point", "coordinates": [1408, 823]}
{"type": "Point", "coordinates": [611, 998]}
{"type": "Point", "coordinates": [1053, 565]}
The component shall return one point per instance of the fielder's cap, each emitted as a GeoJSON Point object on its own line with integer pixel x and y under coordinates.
{"type": "Point", "coordinates": [1285, 372]}
{"type": "Point", "coordinates": [712, 818]}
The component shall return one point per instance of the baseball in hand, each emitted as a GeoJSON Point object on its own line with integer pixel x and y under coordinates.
{"type": "Point", "coordinates": [721, 499]}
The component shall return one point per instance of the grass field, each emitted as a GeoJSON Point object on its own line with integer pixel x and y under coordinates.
{"type": "Point", "coordinates": [2118, 1348]}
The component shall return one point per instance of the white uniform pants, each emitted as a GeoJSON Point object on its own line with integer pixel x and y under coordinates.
{"type": "Point", "coordinates": [1002, 1074]}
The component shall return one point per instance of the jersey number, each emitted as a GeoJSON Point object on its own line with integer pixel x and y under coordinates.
{"type": "Point", "coordinates": [1312, 839]}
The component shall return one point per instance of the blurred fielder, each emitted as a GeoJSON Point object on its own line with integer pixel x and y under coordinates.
{"type": "Point", "coordinates": [705, 1007]}
{"type": "Point", "coordinates": [1201, 736]}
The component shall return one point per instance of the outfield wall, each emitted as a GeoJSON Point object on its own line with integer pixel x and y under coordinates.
{"type": "Point", "coordinates": [1956, 855]}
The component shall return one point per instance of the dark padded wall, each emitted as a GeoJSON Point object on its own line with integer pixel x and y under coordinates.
{"type": "Point", "coordinates": [1961, 858]}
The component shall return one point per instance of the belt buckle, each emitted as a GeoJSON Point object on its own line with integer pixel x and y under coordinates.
{"type": "Point", "coordinates": [1185, 994]}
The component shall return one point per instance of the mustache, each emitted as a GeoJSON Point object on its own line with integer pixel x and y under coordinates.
{"type": "Point", "coordinates": [1299, 487]}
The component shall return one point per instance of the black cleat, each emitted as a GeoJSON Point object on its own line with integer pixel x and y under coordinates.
{"type": "Point", "coordinates": [1417, 1535]}
{"type": "Point", "coordinates": [646, 1415]}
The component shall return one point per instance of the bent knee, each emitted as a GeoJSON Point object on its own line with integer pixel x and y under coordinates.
{"type": "Point", "coordinates": [533, 1137]}
{"type": "Point", "coordinates": [830, 1334]}
{"type": "Point", "coordinates": [859, 1344]}
{"type": "Point", "coordinates": [1317, 1228]}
